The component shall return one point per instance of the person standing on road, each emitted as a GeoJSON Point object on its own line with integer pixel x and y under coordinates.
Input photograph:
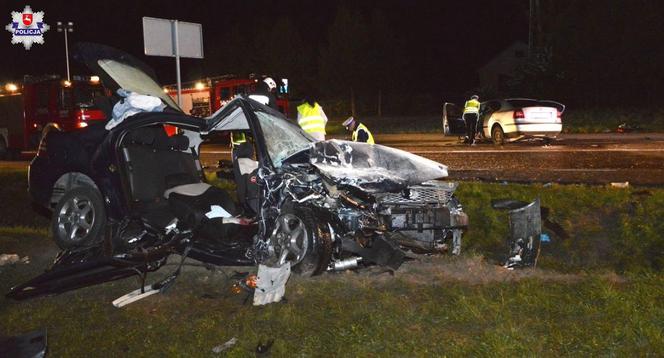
{"type": "Point", "coordinates": [471, 114]}
{"type": "Point", "coordinates": [311, 118]}
{"type": "Point", "coordinates": [360, 132]}
{"type": "Point", "coordinates": [264, 93]}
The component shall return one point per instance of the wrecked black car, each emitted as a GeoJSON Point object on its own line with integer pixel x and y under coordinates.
{"type": "Point", "coordinates": [123, 200]}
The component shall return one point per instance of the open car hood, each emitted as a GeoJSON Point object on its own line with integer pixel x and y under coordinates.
{"type": "Point", "coordinates": [118, 69]}
{"type": "Point", "coordinates": [371, 167]}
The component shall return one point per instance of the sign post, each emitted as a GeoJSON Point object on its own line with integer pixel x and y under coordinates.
{"type": "Point", "coordinates": [173, 38]}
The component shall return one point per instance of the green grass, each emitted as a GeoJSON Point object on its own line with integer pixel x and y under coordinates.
{"type": "Point", "coordinates": [15, 207]}
{"type": "Point", "coordinates": [600, 120]}
{"type": "Point", "coordinates": [441, 306]}
{"type": "Point", "coordinates": [351, 315]}
{"type": "Point", "coordinates": [606, 228]}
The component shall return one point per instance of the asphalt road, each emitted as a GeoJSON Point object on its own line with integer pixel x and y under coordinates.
{"type": "Point", "coordinates": [592, 158]}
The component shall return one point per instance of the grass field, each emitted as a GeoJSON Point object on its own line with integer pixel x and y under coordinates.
{"type": "Point", "coordinates": [598, 291]}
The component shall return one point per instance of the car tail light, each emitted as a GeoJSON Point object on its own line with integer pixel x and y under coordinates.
{"type": "Point", "coordinates": [519, 114]}
{"type": "Point", "coordinates": [559, 114]}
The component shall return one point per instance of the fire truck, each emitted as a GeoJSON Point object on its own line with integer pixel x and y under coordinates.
{"type": "Point", "coordinates": [25, 109]}
{"type": "Point", "coordinates": [205, 96]}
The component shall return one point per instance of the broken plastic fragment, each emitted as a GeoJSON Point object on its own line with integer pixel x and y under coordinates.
{"type": "Point", "coordinates": [271, 283]}
{"type": "Point", "coordinates": [223, 347]}
{"type": "Point", "coordinates": [620, 185]}
{"type": "Point", "coordinates": [217, 211]}
{"type": "Point", "coordinates": [9, 259]}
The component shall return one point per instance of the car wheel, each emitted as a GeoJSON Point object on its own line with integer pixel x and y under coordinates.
{"type": "Point", "coordinates": [497, 135]}
{"type": "Point", "coordinates": [302, 240]}
{"type": "Point", "coordinates": [78, 218]}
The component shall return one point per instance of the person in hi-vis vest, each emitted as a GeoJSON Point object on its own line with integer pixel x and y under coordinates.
{"type": "Point", "coordinates": [471, 113]}
{"type": "Point", "coordinates": [311, 118]}
{"type": "Point", "coordinates": [360, 132]}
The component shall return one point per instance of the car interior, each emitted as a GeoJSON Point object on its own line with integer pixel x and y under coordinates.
{"type": "Point", "coordinates": [245, 168]}
{"type": "Point", "coordinates": [165, 182]}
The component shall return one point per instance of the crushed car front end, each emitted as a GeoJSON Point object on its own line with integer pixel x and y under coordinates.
{"type": "Point", "coordinates": [377, 203]}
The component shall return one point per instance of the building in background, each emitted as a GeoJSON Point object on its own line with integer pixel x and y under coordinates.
{"type": "Point", "coordinates": [502, 68]}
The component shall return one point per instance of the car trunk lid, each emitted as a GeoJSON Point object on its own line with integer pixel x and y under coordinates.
{"type": "Point", "coordinates": [117, 69]}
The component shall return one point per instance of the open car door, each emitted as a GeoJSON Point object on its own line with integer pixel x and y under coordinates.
{"type": "Point", "coordinates": [453, 123]}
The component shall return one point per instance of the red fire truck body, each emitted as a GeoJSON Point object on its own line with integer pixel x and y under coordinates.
{"type": "Point", "coordinates": [47, 99]}
{"type": "Point", "coordinates": [204, 97]}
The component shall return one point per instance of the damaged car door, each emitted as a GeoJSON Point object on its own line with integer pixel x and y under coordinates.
{"type": "Point", "coordinates": [453, 123]}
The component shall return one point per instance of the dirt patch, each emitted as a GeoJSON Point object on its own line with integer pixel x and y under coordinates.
{"type": "Point", "coordinates": [473, 270]}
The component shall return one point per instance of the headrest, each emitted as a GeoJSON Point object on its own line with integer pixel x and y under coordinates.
{"type": "Point", "coordinates": [179, 142]}
{"type": "Point", "coordinates": [157, 138]}
{"type": "Point", "coordinates": [144, 135]}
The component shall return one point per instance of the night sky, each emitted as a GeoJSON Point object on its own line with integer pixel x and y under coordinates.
{"type": "Point", "coordinates": [437, 33]}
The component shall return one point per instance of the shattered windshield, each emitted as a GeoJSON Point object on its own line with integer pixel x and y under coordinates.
{"type": "Point", "coordinates": [282, 138]}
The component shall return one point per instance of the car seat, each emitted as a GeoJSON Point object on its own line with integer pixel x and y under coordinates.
{"type": "Point", "coordinates": [245, 169]}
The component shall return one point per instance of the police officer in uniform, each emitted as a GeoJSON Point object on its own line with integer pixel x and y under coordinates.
{"type": "Point", "coordinates": [360, 132]}
{"type": "Point", "coordinates": [471, 114]}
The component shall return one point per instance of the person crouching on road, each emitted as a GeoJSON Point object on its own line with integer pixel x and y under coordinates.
{"type": "Point", "coordinates": [311, 118]}
{"type": "Point", "coordinates": [471, 113]}
{"type": "Point", "coordinates": [360, 132]}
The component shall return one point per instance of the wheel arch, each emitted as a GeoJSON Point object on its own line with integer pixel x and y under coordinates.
{"type": "Point", "coordinates": [494, 125]}
{"type": "Point", "coordinates": [67, 182]}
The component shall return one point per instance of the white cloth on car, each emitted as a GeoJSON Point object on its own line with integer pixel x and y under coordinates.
{"type": "Point", "coordinates": [131, 104]}
{"type": "Point", "coordinates": [262, 99]}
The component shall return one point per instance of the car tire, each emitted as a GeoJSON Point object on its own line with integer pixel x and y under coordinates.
{"type": "Point", "coordinates": [318, 246]}
{"type": "Point", "coordinates": [79, 218]}
{"type": "Point", "coordinates": [497, 135]}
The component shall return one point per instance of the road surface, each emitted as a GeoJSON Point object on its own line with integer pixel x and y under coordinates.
{"type": "Point", "coordinates": [592, 158]}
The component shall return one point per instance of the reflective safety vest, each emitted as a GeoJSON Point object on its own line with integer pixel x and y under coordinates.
{"type": "Point", "coordinates": [471, 106]}
{"type": "Point", "coordinates": [310, 119]}
{"type": "Point", "coordinates": [238, 138]}
{"type": "Point", "coordinates": [357, 130]}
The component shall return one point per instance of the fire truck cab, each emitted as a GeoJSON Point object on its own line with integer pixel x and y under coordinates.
{"type": "Point", "coordinates": [26, 109]}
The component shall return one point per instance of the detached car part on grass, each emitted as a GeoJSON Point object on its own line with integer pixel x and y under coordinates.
{"type": "Point", "coordinates": [123, 200]}
{"type": "Point", "coordinates": [525, 221]}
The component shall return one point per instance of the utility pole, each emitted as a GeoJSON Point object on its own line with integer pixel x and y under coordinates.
{"type": "Point", "coordinates": [68, 27]}
{"type": "Point", "coordinates": [176, 49]}
{"type": "Point", "coordinates": [533, 25]}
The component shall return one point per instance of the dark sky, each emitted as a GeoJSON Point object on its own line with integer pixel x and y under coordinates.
{"type": "Point", "coordinates": [438, 32]}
